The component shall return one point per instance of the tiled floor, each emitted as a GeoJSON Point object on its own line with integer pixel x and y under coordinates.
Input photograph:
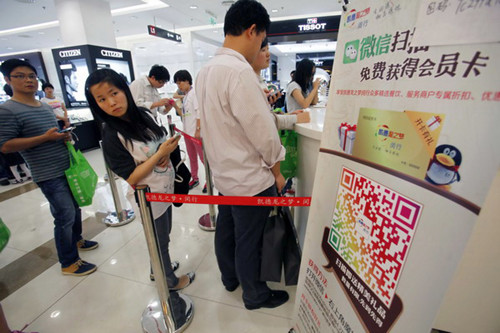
{"type": "Point", "coordinates": [113, 298]}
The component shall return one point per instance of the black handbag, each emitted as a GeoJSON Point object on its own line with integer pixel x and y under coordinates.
{"type": "Point", "coordinates": [273, 245]}
{"type": "Point", "coordinates": [280, 247]}
{"type": "Point", "coordinates": [293, 252]}
{"type": "Point", "coordinates": [182, 174]}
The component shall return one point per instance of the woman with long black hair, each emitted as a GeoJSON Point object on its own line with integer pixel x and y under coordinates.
{"type": "Point", "coordinates": [302, 92]}
{"type": "Point", "coordinates": [136, 148]}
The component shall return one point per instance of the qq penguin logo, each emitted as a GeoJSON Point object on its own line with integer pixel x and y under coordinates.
{"type": "Point", "coordinates": [443, 168]}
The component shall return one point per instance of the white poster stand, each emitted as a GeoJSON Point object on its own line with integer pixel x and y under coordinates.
{"type": "Point", "coordinates": [391, 216]}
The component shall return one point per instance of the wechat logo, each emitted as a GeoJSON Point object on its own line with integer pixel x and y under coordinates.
{"type": "Point", "coordinates": [351, 52]}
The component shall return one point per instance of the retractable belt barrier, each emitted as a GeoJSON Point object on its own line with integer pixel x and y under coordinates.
{"type": "Point", "coordinates": [188, 137]}
{"type": "Point", "coordinates": [229, 200]}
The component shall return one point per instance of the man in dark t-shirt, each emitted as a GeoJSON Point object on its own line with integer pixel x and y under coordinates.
{"type": "Point", "coordinates": [29, 126]}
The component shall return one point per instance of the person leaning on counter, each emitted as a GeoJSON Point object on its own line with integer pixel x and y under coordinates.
{"type": "Point", "coordinates": [303, 92]}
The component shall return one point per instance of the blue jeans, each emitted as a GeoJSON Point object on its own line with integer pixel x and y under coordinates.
{"type": "Point", "coordinates": [67, 218]}
{"type": "Point", "coordinates": [238, 244]}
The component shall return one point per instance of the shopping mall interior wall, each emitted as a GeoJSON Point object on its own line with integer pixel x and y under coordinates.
{"type": "Point", "coordinates": [286, 64]}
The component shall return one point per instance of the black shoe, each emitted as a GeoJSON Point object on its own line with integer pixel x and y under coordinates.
{"type": "Point", "coordinates": [205, 188]}
{"type": "Point", "coordinates": [277, 298]}
{"type": "Point", "coordinates": [232, 288]}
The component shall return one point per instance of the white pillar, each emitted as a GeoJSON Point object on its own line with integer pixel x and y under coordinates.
{"type": "Point", "coordinates": [189, 42]}
{"type": "Point", "coordinates": [85, 22]}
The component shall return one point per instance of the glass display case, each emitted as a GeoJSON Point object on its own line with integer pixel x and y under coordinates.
{"type": "Point", "coordinates": [87, 132]}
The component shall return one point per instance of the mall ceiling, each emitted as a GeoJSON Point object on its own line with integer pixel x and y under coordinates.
{"type": "Point", "coordinates": [174, 15]}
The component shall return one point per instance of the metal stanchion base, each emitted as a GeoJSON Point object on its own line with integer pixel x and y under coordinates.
{"type": "Point", "coordinates": [152, 317]}
{"type": "Point", "coordinates": [106, 177]}
{"type": "Point", "coordinates": [112, 220]}
{"type": "Point", "coordinates": [205, 223]}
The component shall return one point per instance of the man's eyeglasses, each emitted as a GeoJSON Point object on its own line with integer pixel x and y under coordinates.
{"type": "Point", "coordinates": [24, 77]}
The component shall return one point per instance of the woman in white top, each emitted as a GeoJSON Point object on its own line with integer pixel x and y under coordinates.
{"type": "Point", "coordinates": [261, 62]}
{"type": "Point", "coordinates": [302, 92]}
{"type": "Point", "coordinates": [135, 148]}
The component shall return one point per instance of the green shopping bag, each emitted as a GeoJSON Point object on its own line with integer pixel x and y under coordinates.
{"type": "Point", "coordinates": [288, 167]}
{"type": "Point", "coordinates": [82, 179]}
{"type": "Point", "coordinates": [4, 235]}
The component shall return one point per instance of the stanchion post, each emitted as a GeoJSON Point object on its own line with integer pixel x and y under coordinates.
{"type": "Point", "coordinates": [207, 221]}
{"type": "Point", "coordinates": [114, 190]}
{"type": "Point", "coordinates": [120, 216]}
{"type": "Point", "coordinates": [155, 257]}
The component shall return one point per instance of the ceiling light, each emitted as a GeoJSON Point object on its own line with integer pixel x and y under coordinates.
{"type": "Point", "coordinates": [193, 7]}
{"type": "Point", "coordinates": [150, 5]}
{"type": "Point", "coordinates": [274, 10]}
{"type": "Point", "coordinates": [305, 47]}
{"type": "Point", "coordinates": [227, 2]}
{"type": "Point", "coordinates": [51, 24]}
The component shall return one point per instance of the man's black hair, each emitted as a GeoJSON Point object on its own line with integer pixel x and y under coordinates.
{"type": "Point", "coordinates": [8, 90]}
{"type": "Point", "coordinates": [242, 14]}
{"type": "Point", "coordinates": [160, 73]}
{"type": "Point", "coordinates": [9, 65]}
{"type": "Point", "coordinates": [47, 85]}
{"type": "Point", "coordinates": [183, 75]}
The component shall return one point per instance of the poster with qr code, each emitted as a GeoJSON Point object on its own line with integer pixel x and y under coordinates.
{"type": "Point", "coordinates": [372, 230]}
{"type": "Point", "coordinates": [407, 158]}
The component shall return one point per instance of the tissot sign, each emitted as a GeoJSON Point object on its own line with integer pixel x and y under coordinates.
{"type": "Point", "coordinates": [312, 25]}
{"type": "Point", "coordinates": [162, 33]}
{"type": "Point", "coordinates": [323, 24]}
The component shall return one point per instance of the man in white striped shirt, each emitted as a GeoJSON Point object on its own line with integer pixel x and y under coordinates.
{"type": "Point", "coordinates": [30, 127]}
{"type": "Point", "coordinates": [243, 150]}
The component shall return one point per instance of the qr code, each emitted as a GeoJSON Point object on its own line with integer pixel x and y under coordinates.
{"type": "Point", "coordinates": [372, 230]}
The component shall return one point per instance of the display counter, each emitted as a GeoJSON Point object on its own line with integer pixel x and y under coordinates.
{"type": "Point", "coordinates": [87, 132]}
{"type": "Point", "coordinates": [308, 144]}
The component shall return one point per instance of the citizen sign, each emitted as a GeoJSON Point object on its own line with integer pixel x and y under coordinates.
{"type": "Point", "coordinates": [312, 27]}
{"type": "Point", "coordinates": [114, 54]}
{"type": "Point", "coordinates": [70, 53]}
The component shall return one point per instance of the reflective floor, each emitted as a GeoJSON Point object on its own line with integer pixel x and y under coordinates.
{"type": "Point", "coordinates": [33, 291]}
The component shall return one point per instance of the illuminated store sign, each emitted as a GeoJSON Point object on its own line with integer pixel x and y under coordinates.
{"type": "Point", "coordinates": [70, 53]}
{"type": "Point", "coordinates": [113, 54]}
{"type": "Point", "coordinates": [312, 25]}
{"type": "Point", "coordinates": [162, 33]}
{"type": "Point", "coordinates": [305, 26]}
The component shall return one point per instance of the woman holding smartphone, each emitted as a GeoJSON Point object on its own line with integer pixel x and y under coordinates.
{"type": "Point", "coordinates": [136, 148]}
